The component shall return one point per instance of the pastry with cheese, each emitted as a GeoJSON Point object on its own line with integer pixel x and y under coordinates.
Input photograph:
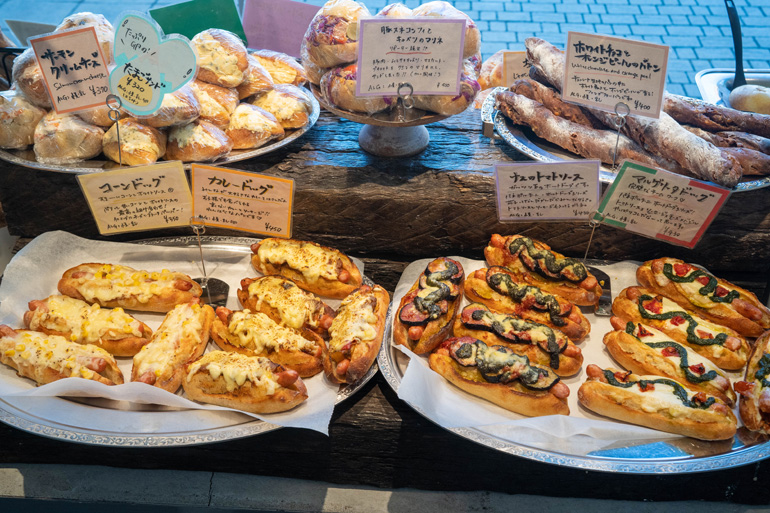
{"type": "Point", "coordinates": [257, 80]}
{"type": "Point", "coordinates": [48, 358]}
{"type": "Point", "coordinates": [252, 127]}
{"type": "Point", "coordinates": [217, 103]}
{"type": "Point", "coordinates": [290, 105]}
{"type": "Point", "coordinates": [113, 286]}
{"type": "Point", "coordinates": [18, 119]}
{"type": "Point", "coordinates": [355, 336]}
{"type": "Point", "coordinates": [332, 37]}
{"type": "Point", "coordinates": [222, 57]}
{"type": "Point", "coordinates": [66, 139]}
{"type": "Point", "coordinates": [28, 78]}
{"type": "Point", "coordinates": [754, 389]}
{"type": "Point", "coordinates": [657, 403]}
{"type": "Point", "coordinates": [282, 68]}
{"type": "Point", "coordinates": [139, 144]}
{"type": "Point", "coordinates": [256, 334]}
{"type": "Point", "coordinates": [247, 383]}
{"type": "Point", "coordinates": [199, 141]}
{"type": "Point", "coordinates": [105, 32]}
{"type": "Point", "coordinates": [318, 269]}
{"type": "Point", "coordinates": [178, 108]}
{"type": "Point", "coordinates": [111, 329]}
{"type": "Point", "coordinates": [181, 339]}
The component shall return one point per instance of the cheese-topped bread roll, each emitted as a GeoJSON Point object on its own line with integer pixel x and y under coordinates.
{"type": "Point", "coordinates": [256, 79]}
{"type": "Point", "coordinates": [282, 68]}
{"type": "Point", "coordinates": [217, 103]}
{"type": "Point", "coordinates": [198, 141]}
{"type": "Point", "coordinates": [139, 144]}
{"type": "Point", "coordinates": [332, 37]}
{"type": "Point", "coordinates": [318, 269]}
{"type": "Point", "coordinates": [48, 358]}
{"type": "Point", "coordinates": [248, 383]}
{"type": "Point", "coordinates": [256, 334]}
{"type": "Point", "coordinates": [66, 139]}
{"type": "Point", "coordinates": [222, 57]}
{"type": "Point", "coordinates": [121, 286]}
{"type": "Point", "coordinates": [289, 104]}
{"type": "Point", "coordinates": [111, 329]}
{"type": "Point", "coordinates": [356, 334]}
{"type": "Point", "coordinates": [18, 119]}
{"type": "Point", "coordinates": [28, 78]}
{"type": "Point", "coordinates": [251, 127]}
{"type": "Point", "coordinates": [180, 339]}
{"type": "Point", "coordinates": [177, 108]}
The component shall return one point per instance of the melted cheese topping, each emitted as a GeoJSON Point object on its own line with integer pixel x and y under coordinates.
{"type": "Point", "coordinates": [537, 334]}
{"type": "Point", "coordinates": [246, 116]}
{"type": "Point", "coordinates": [132, 139]}
{"type": "Point", "coordinates": [181, 323]}
{"type": "Point", "coordinates": [52, 351]}
{"type": "Point", "coordinates": [193, 133]}
{"type": "Point", "coordinates": [355, 321]}
{"type": "Point", "coordinates": [111, 282]}
{"type": "Point", "coordinates": [661, 398]}
{"type": "Point", "coordinates": [260, 334]}
{"type": "Point", "coordinates": [693, 358]}
{"type": "Point", "coordinates": [236, 369]}
{"type": "Point", "coordinates": [703, 324]}
{"type": "Point", "coordinates": [282, 106]}
{"type": "Point", "coordinates": [87, 324]}
{"type": "Point", "coordinates": [310, 259]}
{"type": "Point", "coordinates": [295, 306]}
{"type": "Point", "coordinates": [213, 56]}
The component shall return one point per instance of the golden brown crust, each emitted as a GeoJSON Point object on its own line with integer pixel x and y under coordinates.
{"type": "Point", "coordinates": [749, 404]}
{"type": "Point", "coordinates": [282, 68]}
{"type": "Point", "coordinates": [217, 103]}
{"type": "Point", "coordinates": [199, 141]}
{"type": "Point", "coordinates": [513, 397]}
{"type": "Point", "coordinates": [66, 139]}
{"type": "Point", "coordinates": [19, 119]}
{"type": "Point", "coordinates": [168, 299]}
{"type": "Point", "coordinates": [256, 79]}
{"type": "Point", "coordinates": [491, 74]}
{"type": "Point", "coordinates": [28, 78]}
{"type": "Point", "coordinates": [177, 108]}
{"type": "Point", "coordinates": [140, 144]}
{"type": "Point", "coordinates": [222, 57]}
{"type": "Point", "coordinates": [289, 104]}
{"type": "Point", "coordinates": [720, 313]}
{"type": "Point", "coordinates": [252, 127]}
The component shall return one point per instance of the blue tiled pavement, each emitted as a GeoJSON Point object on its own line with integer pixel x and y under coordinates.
{"type": "Point", "coordinates": [698, 31]}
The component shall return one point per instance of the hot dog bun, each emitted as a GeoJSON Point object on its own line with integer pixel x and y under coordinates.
{"type": "Point", "coordinates": [754, 404]}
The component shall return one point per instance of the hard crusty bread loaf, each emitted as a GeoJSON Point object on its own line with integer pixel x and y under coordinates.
{"type": "Point", "coordinates": [714, 117]}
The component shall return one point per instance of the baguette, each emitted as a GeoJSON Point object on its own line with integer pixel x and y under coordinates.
{"type": "Point", "coordinates": [715, 118]}
{"type": "Point", "coordinates": [500, 376]}
{"type": "Point", "coordinates": [657, 403]}
{"type": "Point", "coordinates": [246, 383]}
{"type": "Point", "coordinates": [754, 404]}
{"type": "Point", "coordinates": [711, 298]}
{"type": "Point", "coordinates": [551, 100]}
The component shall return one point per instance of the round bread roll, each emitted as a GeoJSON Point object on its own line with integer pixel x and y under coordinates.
{"type": "Point", "coordinates": [222, 57]}
{"type": "Point", "coordinates": [139, 144]}
{"type": "Point", "coordinates": [217, 103]}
{"type": "Point", "coordinates": [105, 32]}
{"type": "Point", "coordinates": [290, 105]}
{"type": "Point", "coordinates": [178, 108]}
{"type": "Point", "coordinates": [28, 77]}
{"type": "Point", "coordinates": [338, 88]}
{"type": "Point", "coordinates": [282, 68]}
{"type": "Point", "coordinates": [256, 80]}
{"type": "Point", "coordinates": [395, 11]}
{"type": "Point", "coordinates": [66, 139]}
{"type": "Point", "coordinates": [99, 116]}
{"type": "Point", "coordinates": [491, 74]}
{"type": "Point", "coordinates": [440, 9]}
{"type": "Point", "coordinates": [751, 98]}
{"type": "Point", "coordinates": [449, 105]}
{"type": "Point", "coordinates": [332, 37]}
{"type": "Point", "coordinates": [18, 119]}
{"type": "Point", "coordinates": [314, 72]}
{"type": "Point", "coordinates": [251, 127]}
{"type": "Point", "coordinates": [199, 141]}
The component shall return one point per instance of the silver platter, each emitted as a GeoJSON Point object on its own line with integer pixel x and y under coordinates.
{"type": "Point", "coordinates": [26, 158]}
{"type": "Point", "coordinates": [226, 425]}
{"type": "Point", "coordinates": [523, 140]}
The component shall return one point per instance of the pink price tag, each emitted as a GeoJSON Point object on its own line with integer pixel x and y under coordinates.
{"type": "Point", "coordinates": [277, 25]}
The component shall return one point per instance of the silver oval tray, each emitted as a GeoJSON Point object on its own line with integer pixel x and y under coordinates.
{"type": "Point", "coordinates": [210, 426]}
{"type": "Point", "coordinates": [665, 456]}
{"type": "Point", "coordinates": [26, 158]}
{"type": "Point", "coordinates": [523, 140]}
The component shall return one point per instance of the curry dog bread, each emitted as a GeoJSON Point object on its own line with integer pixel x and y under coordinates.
{"type": "Point", "coordinates": [501, 376]}
{"type": "Point", "coordinates": [286, 303]}
{"type": "Point", "coordinates": [496, 287]}
{"type": "Point", "coordinates": [256, 334]}
{"type": "Point", "coordinates": [181, 338]}
{"type": "Point", "coordinates": [318, 269]}
{"type": "Point", "coordinates": [428, 309]}
{"type": "Point", "coordinates": [657, 403]}
{"type": "Point", "coordinates": [535, 263]}
{"type": "Point", "coordinates": [48, 358]}
{"type": "Point", "coordinates": [541, 344]}
{"type": "Point", "coordinates": [111, 329]}
{"type": "Point", "coordinates": [754, 390]}
{"type": "Point", "coordinates": [248, 383]}
{"type": "Point", "coordinates": [722, 345]}
{"type": "Point", "coordinates": [712, 298]}
{"type": "Point", "coordinates": [113, 286]}
{"type": "Point", "coordinates": [643, 349]}
{"type": "Point", "coordinates": [355, 335]}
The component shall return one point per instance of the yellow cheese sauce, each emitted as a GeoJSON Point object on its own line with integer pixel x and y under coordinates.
{"type": "Point", "coordinates": [304, 257]}
{"type": "Point", "coordinates": [295, 306]}
{"type": "Point", "coordinates": [355, 321]}
{"type": "Point", "coordinates": [111, 282]}
{"type": "Point", "coordinates": [259, 333]}
{"type": "Point", "coordinates": [183, 322]}
{"type": "Point", "coordinates": [236, 369]}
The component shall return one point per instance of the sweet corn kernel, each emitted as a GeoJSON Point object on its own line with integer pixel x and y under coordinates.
{"type": "Point", "coordinates": [157, 372]}
{"type": "Point", "coordinates": [20, 347]}
{"type": "Point", "coordinates": [10, 352]}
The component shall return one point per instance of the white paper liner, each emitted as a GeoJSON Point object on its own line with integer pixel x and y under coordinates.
{"type": "Point", "coordinates": [579, 433]}
{"type": "Point", "coordinates": [34, 273]}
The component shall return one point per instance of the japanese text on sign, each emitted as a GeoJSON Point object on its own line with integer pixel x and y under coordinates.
{"type": "Point", "coordinates": [515, 66]}
{"type": "Point", "coordinates": [74, 69]}
{"type": "Point", "coordinates": [242, 201]}
{"type": "Point", "coordinates": [602, 71]}
{"type": "Point", "coordinates": [660, 204]}
{"type": "Point", "coordinates": [425, 54]}
{"type": "Point", "coordinates": [138, 198]}
{"type": "Point", "coordinates": [555, 190]}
